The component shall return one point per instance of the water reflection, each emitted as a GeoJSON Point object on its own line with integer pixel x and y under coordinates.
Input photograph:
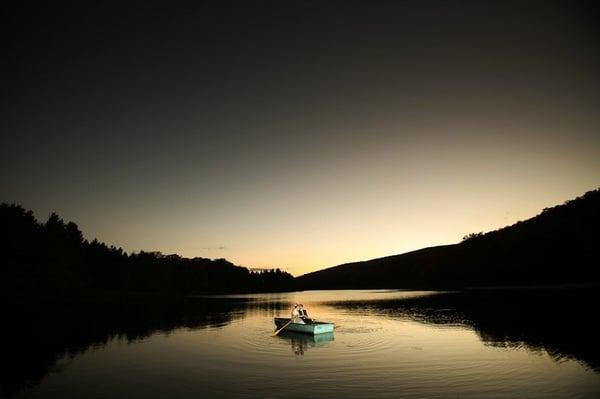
{"type": "Point", "coordinates": [556, 321]}
{"type": "Point", "coordinates": [375, 342]}
{"type": "Point", "coordinates": [37, 334]}
{"type": "Point", "coordinates": [300, 343]}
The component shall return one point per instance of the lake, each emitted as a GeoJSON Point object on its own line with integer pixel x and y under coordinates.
{"type": "Point", "coordinates": [387, 344]}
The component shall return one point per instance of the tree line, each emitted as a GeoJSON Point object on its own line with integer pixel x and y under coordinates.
{"type": "Point", "coordinates": [55, 258]}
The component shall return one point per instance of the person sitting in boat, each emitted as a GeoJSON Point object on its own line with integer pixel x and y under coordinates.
{"type": "Point", "coordinates": [296, 318]}
{"type": "Point", "coordinates": [303, 314]}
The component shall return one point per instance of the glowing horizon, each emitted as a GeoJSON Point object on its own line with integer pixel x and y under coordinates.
{"type": "Point", "coordinates": [338, 250]}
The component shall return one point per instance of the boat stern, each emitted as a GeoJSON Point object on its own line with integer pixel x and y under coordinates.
{"type": "Point", "coordinates": [323, 328]}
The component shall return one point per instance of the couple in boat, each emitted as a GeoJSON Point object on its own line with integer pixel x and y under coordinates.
{"type": "Point", "coordinates": [300, 315]}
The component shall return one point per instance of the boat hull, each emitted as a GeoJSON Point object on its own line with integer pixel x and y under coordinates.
{"type": "Point", "coordinates": [314, 328]}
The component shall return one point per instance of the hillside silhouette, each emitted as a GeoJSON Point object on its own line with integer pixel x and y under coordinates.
{"type": "Point", "coordinates": [53, 258]}
{"type": "Point", "coordinates": [558, 246]}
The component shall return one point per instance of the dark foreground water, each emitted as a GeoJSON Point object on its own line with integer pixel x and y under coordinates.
{"type": "Point", "coordinates": [392, 344]}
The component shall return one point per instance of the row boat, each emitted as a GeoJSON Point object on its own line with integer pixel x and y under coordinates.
{"type": "Point", "coordinates": [314, 327]}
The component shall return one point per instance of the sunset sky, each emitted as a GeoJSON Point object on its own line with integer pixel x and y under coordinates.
{"type": "Point", "coordinates": [299, 135]}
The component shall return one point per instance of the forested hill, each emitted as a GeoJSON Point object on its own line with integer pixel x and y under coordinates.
{"type": "Point", "coordinates": [54, 258]}
{"type": "Point", "coordinates": [558, 246]}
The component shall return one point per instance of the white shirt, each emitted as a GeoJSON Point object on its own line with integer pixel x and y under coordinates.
{"type": "Point", "coordinates": [296, 316]}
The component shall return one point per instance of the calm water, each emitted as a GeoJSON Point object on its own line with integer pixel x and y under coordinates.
{"type": "Point", "coordinates": [388, 344]}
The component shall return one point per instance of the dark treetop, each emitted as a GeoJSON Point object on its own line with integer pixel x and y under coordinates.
{"type": "Point", "coordinates": [54, 258]}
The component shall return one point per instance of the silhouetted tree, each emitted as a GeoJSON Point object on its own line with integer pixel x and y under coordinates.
{"type": "Point", "coordinates": [53, 258]}
{"type": "Point", "coordinates": [472, 236]}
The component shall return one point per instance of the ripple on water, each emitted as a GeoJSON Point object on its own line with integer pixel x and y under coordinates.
{"type": "Point", "coordinates": [376, 354]}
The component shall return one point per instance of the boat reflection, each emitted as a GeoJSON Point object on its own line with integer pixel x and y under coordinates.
{"type": "Point", "coordinates": [301, 342]}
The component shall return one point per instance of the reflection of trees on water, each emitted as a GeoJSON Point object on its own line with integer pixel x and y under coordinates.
{"type": "Point", "coordinates": [557, 321]}
{"type": "Point", "coordinates": [300, 343]}
{"type": "Point", "coordinates": [37, 334]}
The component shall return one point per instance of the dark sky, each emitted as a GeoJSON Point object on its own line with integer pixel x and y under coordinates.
{"type": "Point", "coordinates": [298, 134]}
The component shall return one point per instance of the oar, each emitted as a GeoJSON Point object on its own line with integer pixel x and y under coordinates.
{"type": "Point", "coordinates": [278, 331]}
